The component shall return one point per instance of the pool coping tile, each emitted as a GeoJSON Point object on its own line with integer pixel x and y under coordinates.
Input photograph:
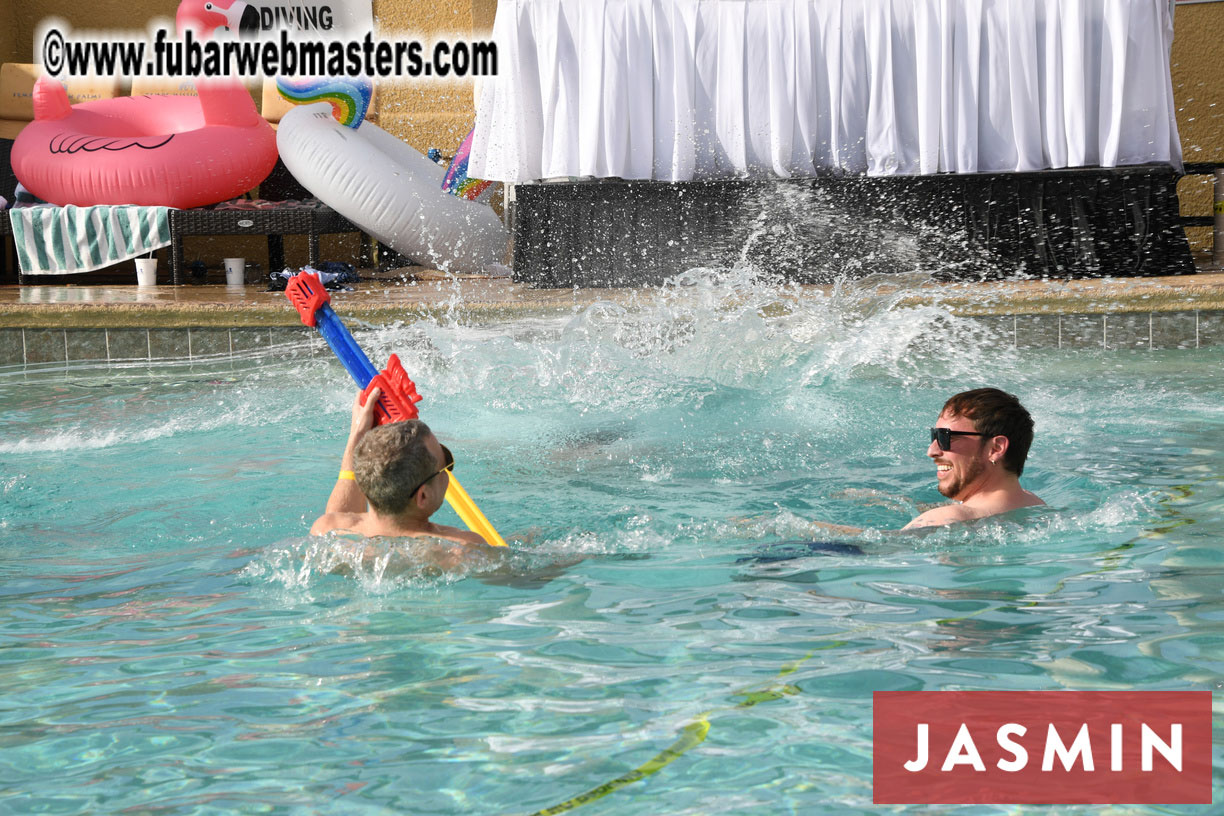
{"type": "Point", "coordinates": [169, 344]}
{"type": "Point", "coordinates": [1079, 331]}
{"type": "Point", "coordinates": [1132, 330]}
{"type": "Point", "coordinates": [1128, 331]}
{"type": "Point", "coordinates": [86, 344]}
{"type": "Point", "coordinates": [1210, 329]}
{"type": "Point", "coordinates": [249, 340]}
{"type": "Point", "coordinates": [1175, 330]}
{"type": "Point", "coordinates": [1037, 331]}
{"type": "Point", "coordinates": [208, 342]}
{"type": "Point", "coordinates": [128, 344]}
{"type": "Point", "coordinates": [999, 330]}
{"type": "Point", "coordinates": [12, 347]}
{"type": "Point", "coordinates": [45, 346]}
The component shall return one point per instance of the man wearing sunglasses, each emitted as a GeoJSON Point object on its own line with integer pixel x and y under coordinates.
{"type": "Point", "coordinates": [392, 479]}
{"type": "Point", "coordinates": [979, 444]}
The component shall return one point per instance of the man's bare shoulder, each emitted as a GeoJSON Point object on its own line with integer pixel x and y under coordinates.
{"type": "Point", "coordinates": [362, 525]}
{"type": "Point", "coordinates": [459, 536]}
{"type": "Point", "coordinates": [338, 522]}
{"type": "Point", "coordinates": [939, 516]}
{"type": "Point", "coordinates": [1029, 499]}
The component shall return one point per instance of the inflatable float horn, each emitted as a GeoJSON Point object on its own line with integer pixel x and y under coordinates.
{"type": "Point", "coordinates": [50, 100]}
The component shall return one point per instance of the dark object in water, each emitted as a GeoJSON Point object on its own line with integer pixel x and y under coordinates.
{"type": "Point", "coordinates": [787, 550]}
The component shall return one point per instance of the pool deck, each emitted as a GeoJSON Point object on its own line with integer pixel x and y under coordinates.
{"type": "Point", "coordinates": [63, 324]}
{"type": "Point", "coordinates": [388, 298]}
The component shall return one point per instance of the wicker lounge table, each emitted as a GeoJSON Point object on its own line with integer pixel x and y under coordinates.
{"type": "Point", "coordinates": [327, 222]}
{"type": "Point", "coordinates": [275, 223]}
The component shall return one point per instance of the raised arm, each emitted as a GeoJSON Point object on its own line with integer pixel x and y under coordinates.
{"type": "Point", "coordinates": [346, 496]}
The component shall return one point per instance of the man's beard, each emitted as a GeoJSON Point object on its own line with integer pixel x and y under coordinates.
{"type": "Point", "coordinates": [974, 469]}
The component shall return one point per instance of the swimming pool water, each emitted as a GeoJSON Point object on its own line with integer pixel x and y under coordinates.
{"type": "Point", "coordinates": [173, 643]}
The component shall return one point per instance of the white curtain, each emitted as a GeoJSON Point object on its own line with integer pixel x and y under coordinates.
{"type": "Point", "coordinates": [682, 89]}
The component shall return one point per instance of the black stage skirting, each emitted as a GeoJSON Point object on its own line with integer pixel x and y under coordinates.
{"type": "Point", "coordinates": [1079, 223]}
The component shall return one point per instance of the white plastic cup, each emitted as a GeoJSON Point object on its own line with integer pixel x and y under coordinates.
{"type": "Point", "coordinates": [235, 271]}
{"type": "Point", "coordinates": [146, 271]}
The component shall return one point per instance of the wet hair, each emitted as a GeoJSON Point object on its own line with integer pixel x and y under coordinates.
{"type": "Point", "coordinates": [996, 413]}
{"type": "Point", "coordinates": [390, 461]}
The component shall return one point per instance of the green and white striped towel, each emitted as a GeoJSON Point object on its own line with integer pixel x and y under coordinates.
{"type": "Point", "coordinates": [67, 240]}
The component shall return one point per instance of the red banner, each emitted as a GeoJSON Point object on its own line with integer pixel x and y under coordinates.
{"type": "Point", "coordinates": [1042, 747]}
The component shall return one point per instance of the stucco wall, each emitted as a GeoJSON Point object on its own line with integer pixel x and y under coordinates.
{"type": "Point", "coordinates": [1198, 90]}
{"type": "Point", "coordinates": [98, 15]}
{"type": "Point", "coordinates": [8, 30]}
{"type": "Point", "coordinates": [1198, 81]}
{"type": "Point", "coordinates": [430, 113]}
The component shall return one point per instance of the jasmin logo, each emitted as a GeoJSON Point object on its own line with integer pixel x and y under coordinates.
{"type": "Point", "coordinates": [1043, 747]}
{"type": "Point", "coordinates": [964, 752]}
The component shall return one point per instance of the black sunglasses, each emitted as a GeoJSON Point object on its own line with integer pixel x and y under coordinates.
{"type": "Point", "coordinates": [447, 457]}
{"type": "Point", "coordinates": [943, 436]}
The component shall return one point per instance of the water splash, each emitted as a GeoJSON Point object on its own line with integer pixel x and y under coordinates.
{"type": "Point", "coordinates": [704, 330]}
{"type": "Point", "coordinates": [377, 565]}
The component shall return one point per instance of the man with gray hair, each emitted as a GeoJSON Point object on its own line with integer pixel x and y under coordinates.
{"type": "Point", "coordinates": [392, 479]}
